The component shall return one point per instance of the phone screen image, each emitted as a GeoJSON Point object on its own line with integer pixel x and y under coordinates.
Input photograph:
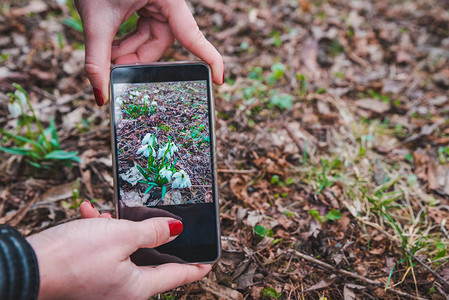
{"type": "Point", "coordinates": [162, 123]}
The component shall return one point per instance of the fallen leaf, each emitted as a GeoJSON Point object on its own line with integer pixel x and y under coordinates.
{"type": "Point", "coordinates": [59, 192]}
{"type": "Point", "coordinates": [219, 290]}
{"type": "Point", "coordinates": [374, 105]}
{"type": "Point", "coordinates": [322, 284]}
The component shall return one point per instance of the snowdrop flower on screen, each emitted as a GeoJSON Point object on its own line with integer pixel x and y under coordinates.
{"type": "Point", "coordinates": [14, 109]}
{"type": "Point", "coordinates": [167, 151]}
{"type": "Point", "coordinates": [182, 180]}
{"type": "Point", "coordinates": [146, 150]}
{"type": "Point", "coordinates": [165, 173]}
{"type": "Point", "coordinates": [146, 99]}
{"type": "Point", "coordinates": [154, 103]}
{"type": "Point", "coordinates": [149, 139]}
{"type": "Point", "coordinates": [135, 93]}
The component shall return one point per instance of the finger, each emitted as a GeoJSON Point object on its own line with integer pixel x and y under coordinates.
{"type": "Point", "coordinates": [151, 40]}
{"type": "Point", "coordinates": [98, 34]}
{"type": "Point", "coordinates": [88, 210]}
{"type": "Point", "coordinates": [186, 31]}
{"type": "Point", "coordinates": [106, 215]}
{"type": "Point", "coordinates": [168, 276]}
{"type": "Point", "coordinates": [149, 233]}
{"type": "Point", "coordinates": [132, 41]}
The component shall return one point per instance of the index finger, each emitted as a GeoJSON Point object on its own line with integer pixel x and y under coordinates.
{"type": "Point", "coordinates": [186, 31]}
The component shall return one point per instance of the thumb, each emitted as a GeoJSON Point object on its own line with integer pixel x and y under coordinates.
{"type": "Point", "coordinates": [98, 36]}
{"type": "Point", "coordinates": [151, 233]}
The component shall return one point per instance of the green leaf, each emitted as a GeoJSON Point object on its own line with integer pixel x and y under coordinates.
{"type": "Point", "coordinates": [283, 101]}
{"type": "Point", "coordinates": [260, 231]}
{"type": "Point", "coordinates": [75, 24]}
{"type": "Point", "coordinates": [164, 190]}
{"type": "Point", "coordinates": [36, 165]}
{"type": "Point", "coordinates": [17, 151]}
{"type": "Point", "coordinates": [333, 215]}
{"type": "Point", "coordinates": [278, 70]}
{"type": "Point", "coordinates": [149, 188]}
{"type": "Point", "coordinates": [54, 137]}
{"type": "Point", "coordinates": [289, 181]}
{"type": "Point", "coordinates": [409, 158]}
{"type": "Point", "coordinates": [276, 241]}
{"type": "Point", "coordinates": [270, 293]}
{"type": "Point", "coordinates": [440, 254]}
{"type": "Point", "coordinates": [24, 139]}
{"type": "Point", "coordinates": [315, 214]}
{"type": "Point", "coordinates": [274, 179]}
{"type": "Point", "coordinates": [139, 168]}
{"type": "Point", "coordinates": [63, 155]}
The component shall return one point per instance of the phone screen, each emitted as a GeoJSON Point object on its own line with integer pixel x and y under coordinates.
{"type": "Point", "coordinates": [163, 139]}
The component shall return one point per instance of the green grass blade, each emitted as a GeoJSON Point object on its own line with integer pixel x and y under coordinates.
{"type": "Point", "coordinates": [17, 151]}
{"type": "Point", "coordinates": [24, 139]}
{"type": "Point", "coordinates": [63, 155]}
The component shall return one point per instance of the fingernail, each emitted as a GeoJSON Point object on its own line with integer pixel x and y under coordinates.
{"type": "Point", "coordinates": [98, 97]}
{"type": "Point", "coordinates": [223, 79]}
{"type": "Point", "coordinates": [175, 227]}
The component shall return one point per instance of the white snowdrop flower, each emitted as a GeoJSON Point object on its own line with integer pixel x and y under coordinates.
{"type": "Point", "coordinates": [167, 151]}
{"type": "Point", "coordinates": [181, 180]}
{"type": "Point", "coordinates": [135, 93]}
{"type": "Point", "coordinates": [165, 173]}
{"type": "Point", "coordinates": [146, 150]}
{"type": "Point", "coordinates": [146, 99]}
{"type": "Point", "coordinates": [22, 97]}
{"type": "Point", "coordinates": [149, 139]}
{"type": "Point", "coordinates": [14, 109]}
{"type": "Point", "coordinates": [153, 103]}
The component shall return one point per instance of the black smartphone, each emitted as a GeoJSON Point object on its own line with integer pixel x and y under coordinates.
{"type": "Point", "coordinates": [162, 122]}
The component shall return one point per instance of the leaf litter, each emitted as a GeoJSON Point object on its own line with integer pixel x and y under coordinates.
{"type": "Point", "coordinates": [328, 106]}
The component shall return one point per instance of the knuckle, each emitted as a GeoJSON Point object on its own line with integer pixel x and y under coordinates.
{"type": "Point", "coordinates": [158, 236]}
{"type": "Point", "coordinates": [92, 69]}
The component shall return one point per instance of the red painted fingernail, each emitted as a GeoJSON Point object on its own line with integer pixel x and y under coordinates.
{"type": "Point", "coordinates": [98, 97]}
{"type": "Point", "coordinates": [87, 201]}
{"type": "Point", "coordinates": [175, 227]}
{"type": "Point", "coordinates": [223, 79]}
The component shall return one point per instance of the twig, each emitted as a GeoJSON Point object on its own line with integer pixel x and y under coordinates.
{"type": "Point", "coordinates": [353, 275]}
{"type": "Point", "coordinates": [15, 219]}
{"type": "Point", "coordinates": [298, 142]}
{"type": "Point", "coordinates": [427, 268]}
{"type": "Point", "coordinates": [438, 287]}
{"type": "Point", "coordinates": [237, 171]}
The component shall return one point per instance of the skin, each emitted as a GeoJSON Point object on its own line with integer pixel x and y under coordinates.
{"type": "Point", "coordinates": [89, 259]}
{"type": "Point", "coordinates": [160, 23]}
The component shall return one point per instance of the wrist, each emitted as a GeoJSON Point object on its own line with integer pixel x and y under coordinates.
{"type": "Point", "coordinates": [47, 253]}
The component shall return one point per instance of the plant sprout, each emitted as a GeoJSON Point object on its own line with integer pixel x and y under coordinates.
{"type": "Point", "coordinates": [40, 147]}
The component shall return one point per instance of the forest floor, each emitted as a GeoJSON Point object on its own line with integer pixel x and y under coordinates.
{"type": "Point", "coordinates": [332, 143]}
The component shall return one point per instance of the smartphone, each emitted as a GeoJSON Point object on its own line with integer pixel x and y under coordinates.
{"type": "Point", "coordinates": [162, 122]}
